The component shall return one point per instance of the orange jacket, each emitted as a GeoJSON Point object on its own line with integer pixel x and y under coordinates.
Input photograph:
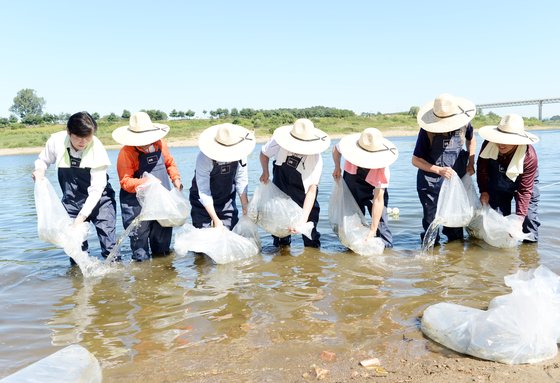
{"type": "Point", "coordinates": [127, 165]}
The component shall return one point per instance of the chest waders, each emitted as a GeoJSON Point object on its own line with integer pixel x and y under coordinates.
{"type": "Point", "coordinates": [502, 190]}
{"type": "Point", "coordinates": [149, 234]}
{"type": "Point", "coordinates": [446, 150]}
{"type": "Point", "coordinates": [222, 188]}
{"type": "Point", "coordinates": [363, 194]}
{"type": "Point", "coordinates": [74, 182]}
{"type": "Point", "coordinates": [288, 179]}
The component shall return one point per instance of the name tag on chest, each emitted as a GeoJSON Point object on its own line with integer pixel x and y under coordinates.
{"type": "Point", "coordinates": [152, 159]}
{"type": "Point", "coordinates": [225, 169]}
{"type": "Point", "coordinates": [75, 162]}
{"type": "Point", "coordinates": [293, 161]}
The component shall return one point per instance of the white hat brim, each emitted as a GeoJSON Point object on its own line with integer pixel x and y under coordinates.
{"type": "Point", "coordinates": [355, 154]}
{"type": "Point", "coordinates": [124, 136]}
{"type": "Point", "coordinates": [284, 138]}
{"type": "Point", "coordinates": [221, 153]}
{"type": "Point", "coordinates": [431, 123]}
{"type": "Point", "coordinates": [492, 134]}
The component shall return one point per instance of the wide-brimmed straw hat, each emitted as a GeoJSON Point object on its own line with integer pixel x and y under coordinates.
{"type": "Point", "coordinates": [140, 131]}
{"type": "Point", "coordinates": [510, 131]}
{"type": "Point", "coordinates": [445, 114]}
{"type": "Point", "coordinates": [302, 138]}
{"type": "Point", "coordinates": [226, 142]}
{"type": "Point", "coordinates": [369, 149]}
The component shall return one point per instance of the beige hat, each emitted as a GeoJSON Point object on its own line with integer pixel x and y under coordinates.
{"type": "Point", "coordinates": [369, 149]}
{"type": "Point", "coordinates": [510, 131]}
{"type": "Point", "coordinates": [445, 114]}
{"type": "Point", "coordinates": [226, 142]}
{"type": "Point", "coordinates": [140, 131]}
{"type": "Point", "coordinates": [302, 138]}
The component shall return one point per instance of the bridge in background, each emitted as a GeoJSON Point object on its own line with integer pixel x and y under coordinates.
{"type": "Point", "coordinates": [540, 103]}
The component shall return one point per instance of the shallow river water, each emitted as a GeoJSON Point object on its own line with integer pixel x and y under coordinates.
{"type": "Point", "coordinates": [291, 301]}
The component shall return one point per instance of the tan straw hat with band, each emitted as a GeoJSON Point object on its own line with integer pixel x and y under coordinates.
{"type": "Point", "coordinates": [369, 149]}
{"type": "Point", "coordinates": [226, 142]}
{"type": "Point", "coordinates": [302, 138]}
{"type": "Point", "coordinates": [140, 131]}
{"type": "Point", "coordinates": [510, 131]}
{"type": "Point", "coordinates": [445, 114]}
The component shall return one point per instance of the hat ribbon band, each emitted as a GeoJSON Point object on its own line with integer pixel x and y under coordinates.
{"type": "Point", "coordinates": [392, 150]}
{"type": "Point", "coordinates": [236, 143]}
{"type": "Point", "coordinates": [317, 138]}
{"type": "Point", "coordinates": [517, 134]}
{"type": "Point", "coordinates": [455, 114]}
{"type": "Point", "coordinates": [145, 131]}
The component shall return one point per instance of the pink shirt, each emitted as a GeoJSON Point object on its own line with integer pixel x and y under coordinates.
{"type": "Point", "coordinates": [378, 178]}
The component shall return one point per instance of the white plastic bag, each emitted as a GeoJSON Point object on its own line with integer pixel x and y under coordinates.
{"type": "Point", "coordinates": [276, 212]}
{"type": "Point", "coordinates": [521, 327]}
{"type": "Point", "coordinates": [348, 222]}
{"type": "Point", "coordinates": [497, 230]}
{"type": "Point", "coordinates": [168, 207]}
{"type": "Point", "coordinates": [222, 245]}
{"type": "Point", "coordinates": [454, 208]}
{"type": "Point", "coordinates": [54, 225]}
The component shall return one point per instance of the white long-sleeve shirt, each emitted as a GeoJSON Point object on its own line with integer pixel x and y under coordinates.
{"type": "Point", "coordinates": [55, 148]}
{"type": "Point", "coordinates": [310, 167]}
{"type": "Point", "coordinates": [204, 166]}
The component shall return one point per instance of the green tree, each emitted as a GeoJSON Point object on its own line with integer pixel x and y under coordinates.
{"type": "Point", "coordinates": [189, 113]}
{"type": "Point", "coordinates": [125, 114]}
{"type": "Point", "coordinates": [95, 116]}
{"type": "Point", "coordinates": [413, 111]}
{"type": "Point", "coordinates": [27, 103]}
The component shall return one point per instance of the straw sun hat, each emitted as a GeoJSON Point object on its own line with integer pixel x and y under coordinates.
{"type": "Point", "coordinates": [140, 131]}
{"type": "Point", "coordinates": [226, 142]}
{"type": "Point", "coordinates": [369, 149]}
{"type": "Point", "coordinates": [510, 131]}
{"type": "Point", "coordinates": [302, 138]}
{"type": "Point", "coordinates": [445, 113]}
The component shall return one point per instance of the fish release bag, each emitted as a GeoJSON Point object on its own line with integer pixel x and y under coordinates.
{"type": "Point", "coordinates": [348, 222]}
{"type": "Point", "coordinates": [276, 212]}
{"type": "Point", "coordinates": [168, 207]}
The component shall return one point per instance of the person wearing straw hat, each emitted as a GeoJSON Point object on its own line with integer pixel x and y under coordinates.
{"type": "Point", "coordinates": [508, 169]}
{"type": "Point", "coordinates": [82, 163]}
{"type": "Point", "coordinates": [445, 130]}
{"type": "Point", "coordinates": [144, 151]}
{"type": "Point", "coordinates": [367, 158]}
{"type": "Point", "coordinates": [296, 170]}
{"type": "Point", "coordinates": [220, 173]}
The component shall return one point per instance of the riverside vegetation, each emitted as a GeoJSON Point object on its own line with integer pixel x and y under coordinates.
{"type": "Point", "coordinates": [19, 135]}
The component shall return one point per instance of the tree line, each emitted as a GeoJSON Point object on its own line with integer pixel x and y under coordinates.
{"type": "Point", "coordinates": [28, 108]}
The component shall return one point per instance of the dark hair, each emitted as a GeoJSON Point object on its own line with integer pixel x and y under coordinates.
{"type": "Point", "coordinates": [81, 124]}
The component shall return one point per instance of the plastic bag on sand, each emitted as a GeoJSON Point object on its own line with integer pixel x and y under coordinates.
{"type": "Point", "coordinates": [348, 222]}
{"type": "Point", "coordinates": [168, 207]}
{"type": "Point", "coordinates": [222, 245]}
{"type": "Point", "coordinates": [276, 212]}
{"type": "Point", "coordinates": [520, 327]}
{"type": "Point", "coordinates": [54, 225]}
{"type": "Point", "coordinates": [496, 230]}
{"type": "Point", "coordinates": [454, 207]}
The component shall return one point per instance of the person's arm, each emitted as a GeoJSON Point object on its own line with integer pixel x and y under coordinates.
{"type": "Point", "coordinates": [46, 158]}
{"type": "Point", "coordinates": [171, 166]}
{"type": "Point", "coordinates": [241, 184]}
{"type": "Point", "coordinates": [482, 176]}
{"type": "Point", "coordinates": [526, 183]}
{"type": "Point", "coordinates": [264, 165]}
{"type": "Point", "coordinates": [424, 165]}
{"type": "Point", "coordinates": [127, 165]}
{"type": "Point", "coordinates": [308, 203]}
{"type": "Point", "coordinates": [471, 148]}
{"type": "Point", "coordinates": [95, 190]}
{"type": "Point", "coordinates": [376, 211]}
{"type": "Point", "coordinates": [336, 159]}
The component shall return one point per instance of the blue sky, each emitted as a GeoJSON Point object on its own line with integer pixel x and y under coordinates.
{"type": "Point", "coordinates": [368, 56]}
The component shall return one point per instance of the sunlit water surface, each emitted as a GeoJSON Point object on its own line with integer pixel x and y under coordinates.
{"type": "Point", "coordinates": [171, 305]}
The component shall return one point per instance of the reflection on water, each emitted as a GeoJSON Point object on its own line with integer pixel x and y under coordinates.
{"type": "Point", "coordinates": [169, 306]}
